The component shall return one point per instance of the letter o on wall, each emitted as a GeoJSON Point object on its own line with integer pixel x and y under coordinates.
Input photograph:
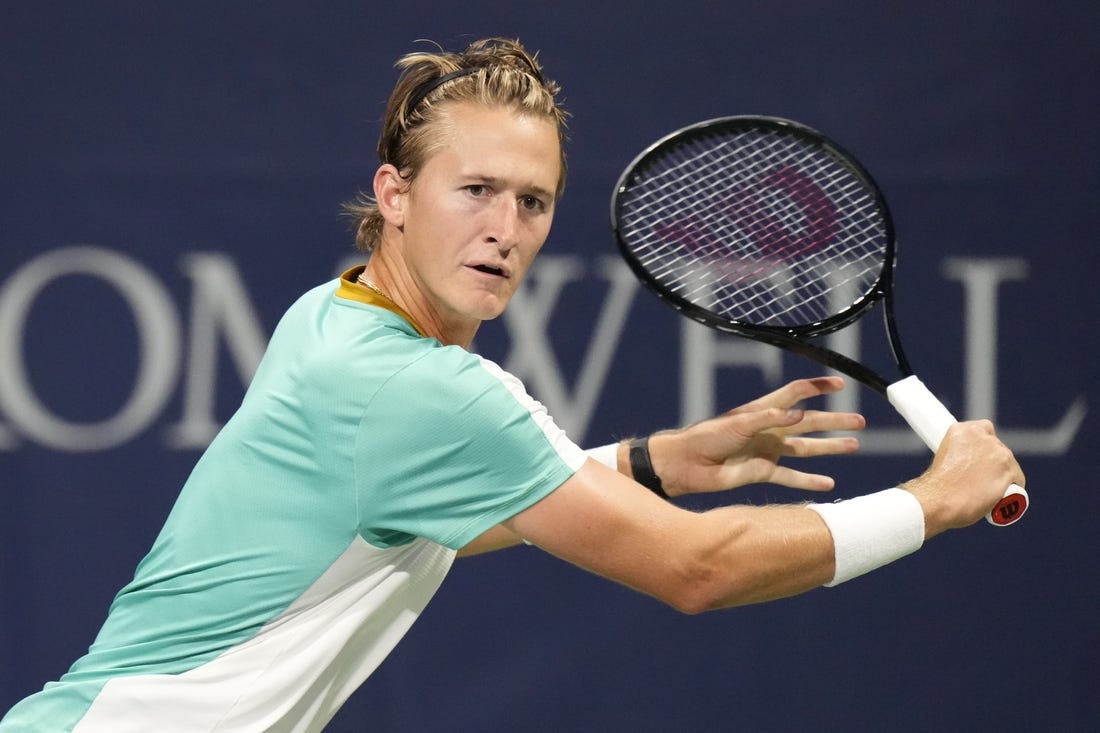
{"type": "Point", "coordinates": [158, 332]}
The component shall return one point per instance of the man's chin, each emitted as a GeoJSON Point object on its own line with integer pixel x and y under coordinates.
{"type": "Point", "coordinates": [490, 307]}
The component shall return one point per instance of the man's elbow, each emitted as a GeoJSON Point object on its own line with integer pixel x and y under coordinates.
{"type": "Point", "coordinates": [699, 590]}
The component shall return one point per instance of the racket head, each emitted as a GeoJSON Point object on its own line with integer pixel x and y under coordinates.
{"type": "Point", "coordinates": [756, 225]}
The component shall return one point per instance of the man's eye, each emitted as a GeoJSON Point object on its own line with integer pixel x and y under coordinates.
{"type": "Point", "coordinates": [476, 189]}
{"type": "Point", "coordinates": [532, 203]}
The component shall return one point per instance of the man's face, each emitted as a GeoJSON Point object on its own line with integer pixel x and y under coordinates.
{"type": "Point", "coordinates": [480, 209]}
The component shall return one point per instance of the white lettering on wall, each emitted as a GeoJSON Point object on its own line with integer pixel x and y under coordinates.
{"type": "Point", "coordinates": [158, 333]}
{"type": "Point", "coordinates": [706, 351]}
{"type": "Point", "coordinates": [222, 312]}
{"type": "Point", "coordinates": [981, 280]}
{"type": "Point", "coordinates": [532, 358]}
{"type": "Point", "coordinates": [219, 307]}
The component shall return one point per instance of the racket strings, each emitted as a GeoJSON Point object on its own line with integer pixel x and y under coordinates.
{"type": "Point", "coordinates": [760, 227]}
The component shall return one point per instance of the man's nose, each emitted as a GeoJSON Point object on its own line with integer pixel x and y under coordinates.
{"type": "Point", "coordinates": [504, 223]}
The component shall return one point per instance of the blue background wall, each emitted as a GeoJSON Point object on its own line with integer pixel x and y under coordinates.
{"type": "Point", "coordinates": [162, 136]}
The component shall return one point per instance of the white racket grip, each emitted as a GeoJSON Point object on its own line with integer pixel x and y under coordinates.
{"type": "Point", "coordinates": [930, 420]}
{"type": "Point", "coordinates": [921, 409]}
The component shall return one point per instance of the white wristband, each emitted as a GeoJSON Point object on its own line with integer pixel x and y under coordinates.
{"type": "Point", "coordinates": [608, 455]}
{"type": "Point", "coordinates": [872, 531]}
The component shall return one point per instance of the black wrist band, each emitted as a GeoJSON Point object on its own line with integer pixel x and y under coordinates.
{"type": "Point", "coordinates": [642, 467]}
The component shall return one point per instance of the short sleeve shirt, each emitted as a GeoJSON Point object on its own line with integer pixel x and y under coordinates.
{"type": "Point", "coordinates": [313, 530]}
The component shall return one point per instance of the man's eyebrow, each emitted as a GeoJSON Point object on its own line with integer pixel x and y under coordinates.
{"type": "Point", "coordinates": [541, 192]}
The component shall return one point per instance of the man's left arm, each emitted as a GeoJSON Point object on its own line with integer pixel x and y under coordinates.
{"type": "Point", "coordinates": [739, 447]}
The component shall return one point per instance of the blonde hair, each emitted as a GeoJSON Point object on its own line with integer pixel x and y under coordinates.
{"type": "Point", "coordinates": [492, 71]}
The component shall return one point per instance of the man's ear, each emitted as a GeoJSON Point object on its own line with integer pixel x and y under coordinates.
{"type": "Point", "coordinates": [389, 190]}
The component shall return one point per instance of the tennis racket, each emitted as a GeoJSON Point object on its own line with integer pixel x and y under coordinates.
{"type": "Point", "coordinates": [765, 228]}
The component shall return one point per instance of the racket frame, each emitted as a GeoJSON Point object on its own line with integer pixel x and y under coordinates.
{"type": "Point", "coordinates": [792, 338]}
{"type": "Point", "coordinates": [920, 408]}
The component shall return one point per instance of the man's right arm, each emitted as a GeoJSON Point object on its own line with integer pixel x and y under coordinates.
{"type": "Point", "coordinates": [604, 522]}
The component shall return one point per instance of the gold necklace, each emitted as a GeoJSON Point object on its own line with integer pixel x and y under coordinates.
{"type": "Point", "coordinates": [364, 280]}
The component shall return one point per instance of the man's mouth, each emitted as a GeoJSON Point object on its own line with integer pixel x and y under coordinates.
{"type": "Point", "coordinates": [489, 270]}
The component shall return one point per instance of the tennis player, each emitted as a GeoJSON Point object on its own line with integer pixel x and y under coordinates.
{"type": "Point", "coordinates": [372, 447]}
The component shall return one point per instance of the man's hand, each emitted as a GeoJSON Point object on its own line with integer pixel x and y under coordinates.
{"type": "Point", "coordinates": [967, 477]}
{"type": "Point", "coordinates": [744, 445]}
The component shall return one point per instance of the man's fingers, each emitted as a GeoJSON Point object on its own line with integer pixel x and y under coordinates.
{"type": "Point", "coordinates": [792, 393]}
{"type": "Point", "coordinates": [787, 422]}
{"type": "Point", "coordinates": [773, 418]}
{"type": "Point", "coordinates": [816, 421]}
{"type": "Point", "coordinates": [811, 447]}
{"type": "Point", "coordinates": [793, 479]}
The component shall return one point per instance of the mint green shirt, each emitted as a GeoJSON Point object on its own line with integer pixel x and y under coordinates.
{"type": "Point", "coordinates": [313, 530]}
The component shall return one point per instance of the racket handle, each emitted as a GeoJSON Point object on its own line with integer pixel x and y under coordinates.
{"type": "Point", "coordinates": [930, 420]}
